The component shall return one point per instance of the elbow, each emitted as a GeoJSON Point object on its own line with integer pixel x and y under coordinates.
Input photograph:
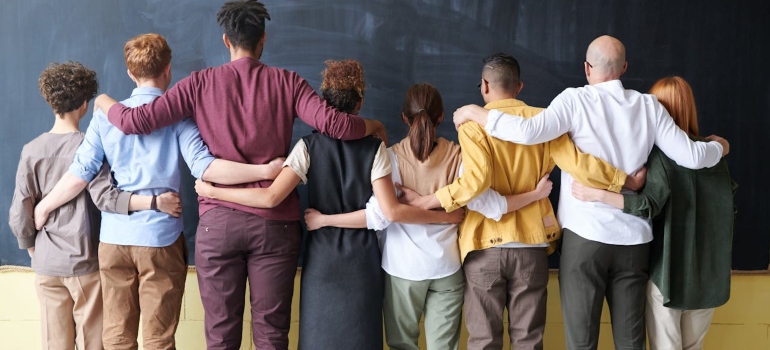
{"type": "Point", "coordinates": [272, 201]}
{"type": "Point", "coordinates": [392, 214]}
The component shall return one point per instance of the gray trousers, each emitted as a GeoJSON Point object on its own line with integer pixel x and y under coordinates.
{"type": "Point", "coordinates": [589, 271]}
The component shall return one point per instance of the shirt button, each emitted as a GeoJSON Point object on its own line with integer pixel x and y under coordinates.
{"type": "Point", "coordinates": [499, 239]}
{"type": "Point", "coordinates": [491, 241]}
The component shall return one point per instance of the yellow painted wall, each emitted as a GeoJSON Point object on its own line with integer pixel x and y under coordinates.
{"type": "Point", "coordinates": [743, 323]}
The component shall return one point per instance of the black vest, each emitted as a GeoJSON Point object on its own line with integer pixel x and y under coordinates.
{"type": "Point", "coordinates": [342, 281]}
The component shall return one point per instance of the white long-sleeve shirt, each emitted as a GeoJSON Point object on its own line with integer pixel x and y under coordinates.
{"type": "Point", "coordinates": [617, 125]}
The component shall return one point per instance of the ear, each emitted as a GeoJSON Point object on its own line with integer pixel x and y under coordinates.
{"type": "Point", "coordinates": [521, 87]}
{"type": "Point", "coordinates": [440, 119]}
{"type": "Point", "coordinates": [587, 68]}
{"type": "Point", "coordinates": [133, 78]}
{"type": "Point", "coordinates": [403, 117]}
{"type": "Point", "coordinates": [167, 71]}
{"type": "Point", "coordinates": [226, 41]}
{"type": "Point", "coordinates": [485, 86]}
{"type": "Point", "coordinates": [625, 66]}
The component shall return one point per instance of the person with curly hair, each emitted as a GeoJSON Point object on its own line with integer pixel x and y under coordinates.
{"type": "Point", "coordinates": [245, 111]}
{"type": "Point", "coordinates": [64, 251]}
{"type": "Point", "coordinates": [148, 243]}
{"type": "Point", "coordinates": [342, 283]}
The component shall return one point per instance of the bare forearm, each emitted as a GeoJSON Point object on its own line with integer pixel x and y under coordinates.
{"type": "Point", "coordinates": [252, 197]}
{"type": "Point", "coordinates": [614, 199]}
{"type": "Point", "coordinates": [356, 219]}
{"type": "Point", "coordinates": [65, 190]}
{"type": "Point", "coordinates": [138, 202]}
{"type": "Point", "coordinates": [413, 215]}
{"type": "Point", "coordinates": [232, 173]}
{"type": "Point", "coordinates": [518, 201]}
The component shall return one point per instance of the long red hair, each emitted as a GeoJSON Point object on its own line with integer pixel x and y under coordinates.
{"type": "Point", "coordinates": [675, 94]}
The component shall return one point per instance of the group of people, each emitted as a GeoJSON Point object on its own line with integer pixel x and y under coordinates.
{"type": "Point", "coordinates": [485, 252]}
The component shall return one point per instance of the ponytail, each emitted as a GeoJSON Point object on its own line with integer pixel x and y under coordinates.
{"type": "Point", "coordinates": [421, 135]}
{"type": "Point", "coordinates": [422, 110]}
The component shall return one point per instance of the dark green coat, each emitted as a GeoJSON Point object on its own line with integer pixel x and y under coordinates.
{"type": "Point", "coordinates": [692, 214]}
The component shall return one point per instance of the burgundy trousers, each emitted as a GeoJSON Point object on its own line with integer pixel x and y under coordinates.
{"type": "Point", "coordinates": [232, 246]}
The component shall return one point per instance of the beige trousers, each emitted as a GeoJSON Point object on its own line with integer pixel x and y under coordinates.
{"type": "Point", "coordinates": [70, 311]}
{"type": "Point", "coordinates": [674, 329]}
{"type": "Point", "coordinates": [144, 280]}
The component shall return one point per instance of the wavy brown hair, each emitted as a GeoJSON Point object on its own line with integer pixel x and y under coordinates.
{"type": "Point", "coordinates": [422, 110]}
{"type": "Point", "coordinates": [343, 85]}
{"type": "Point", "coordinates": [676, 95]}
{"type": "Point", "coordinates": [65, 86]}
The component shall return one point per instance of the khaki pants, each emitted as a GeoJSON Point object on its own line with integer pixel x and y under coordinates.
{"type": "Point", "coordinates": [441, 300]}
{"type": "Point", "coordinates": [70, 311]}
{"type": "Point", "coordinates": [146, 280]}
{"type": "Point", "coordinates": [499, 278]}
{"type": "Point", "coordinates": [674, 329]}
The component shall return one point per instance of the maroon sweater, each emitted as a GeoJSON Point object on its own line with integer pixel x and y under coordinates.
{"type": "Point", "coordinates": [245, 111]}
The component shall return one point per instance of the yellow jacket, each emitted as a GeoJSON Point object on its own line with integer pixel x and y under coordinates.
{"type": "Point", "coordinates": [509, 168]}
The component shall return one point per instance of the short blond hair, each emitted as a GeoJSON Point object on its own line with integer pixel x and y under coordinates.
{"type": "Point", "coordinates": [147, 55]}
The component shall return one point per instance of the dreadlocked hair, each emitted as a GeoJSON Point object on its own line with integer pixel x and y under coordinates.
{"type": "Point", "coordinates": [343, 84]}
{"type": "Point", "coordinates": [243, 22]}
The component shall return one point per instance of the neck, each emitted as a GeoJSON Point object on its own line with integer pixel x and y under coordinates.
{"type": "Point", "coordinates": [66, 123]}
{"type": "Point", "coordinates": [499, 97]}
{"type": "Point", "coordinates": [238, 53]}
{"type": "Point", "coordinates": [151, 83]}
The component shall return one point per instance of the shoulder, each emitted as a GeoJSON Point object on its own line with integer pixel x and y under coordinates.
{"type": "Point", "coordinates": [471, 130]}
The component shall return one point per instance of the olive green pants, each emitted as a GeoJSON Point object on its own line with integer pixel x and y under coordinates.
{"type": "Point", "coordinates": [441, 300]}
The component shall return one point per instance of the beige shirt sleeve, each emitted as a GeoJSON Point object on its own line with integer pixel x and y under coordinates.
{"type": "Point", "coordinates": [299, 160]}
{"type": "Point", "coordinates": [381, 166]}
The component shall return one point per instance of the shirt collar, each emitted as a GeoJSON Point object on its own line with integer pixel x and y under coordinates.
{"type": "Point", "coordinates": [152, 91]}
{"type": "Point", "coordinates": [506, 103]}
{"type": "Point", "coordinates": [610, 85]}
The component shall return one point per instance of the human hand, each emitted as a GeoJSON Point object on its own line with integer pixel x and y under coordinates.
{"type": "Point", "coordinates": [408, 195]}
{"type": "Point", "coordinates": [314, 219]}
{"type": "Point", "coordinates": [456, 216]}
{"type": "Point", "coordinates": [469, 113]}
{"type": "Point", "coordinates": [585, 193]}
{"type": "Point", "coordinates": [274, 168]}
{"type": "Point", "coordinates": [169, 203]}
{"type": "Point", "coordinates": [31, 252]}
{"type": "Point", "coordinates": [722, 141]}
{"type": "Point", "coordinates": [544, 187]}
{"type": "Point", "coordinates": [381, 133]}
{"type": "Point", "coordinates": [103, 102]}
{"type": "Point", "coordinates": [41, 214]}
{"type": "Point", "coordinates": [636, 181]}
{"type": "Point", "coordinates": [204, 188]}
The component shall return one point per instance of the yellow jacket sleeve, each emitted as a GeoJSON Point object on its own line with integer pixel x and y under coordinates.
{"type": "Point", "coordinates": [585, 168]}
{"type": "Point", "coordinates": [477, 168]}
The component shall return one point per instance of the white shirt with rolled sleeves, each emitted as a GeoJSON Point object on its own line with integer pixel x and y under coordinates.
{"type": "Point", "coordinates": [617, 125]}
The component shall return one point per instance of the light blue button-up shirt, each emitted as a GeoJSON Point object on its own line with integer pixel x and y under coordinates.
{"type": "Point", "coordinates": [144, 165]}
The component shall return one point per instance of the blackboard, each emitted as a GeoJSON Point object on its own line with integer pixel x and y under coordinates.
{"type": "Point", "coordinates": [720, 47]}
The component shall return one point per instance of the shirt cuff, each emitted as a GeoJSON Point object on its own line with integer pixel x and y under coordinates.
{"type": "Point", "coordinates": [121, 206]}
{"type": "Point", "coordinates": [492, 118]}
{"type": "Point", "coordinates": [26, 242]}
{"type": "Point", "coordinates": [82, 172]}
{"type": "Point", "coordinates": [618, 181]}
{"type": "Point", "coordinates": [446, 200]}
